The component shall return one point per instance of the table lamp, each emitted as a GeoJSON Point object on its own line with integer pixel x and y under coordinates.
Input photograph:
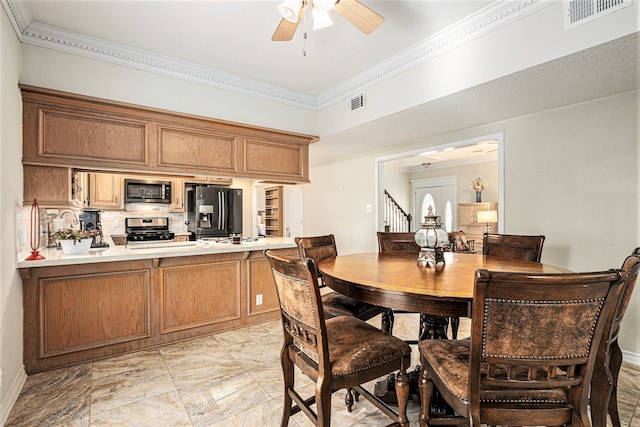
{"type": "Point", "coordinates": [487, 217]}
{"type": "Point", "coordinates": [431, 238]}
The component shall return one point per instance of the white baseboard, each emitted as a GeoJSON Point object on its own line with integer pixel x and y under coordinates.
{"type": "Point", "coordinates": [634, 358]}
{"type": "Point", "coordinates": [12, 396]}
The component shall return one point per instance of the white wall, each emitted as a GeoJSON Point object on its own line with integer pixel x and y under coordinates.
{"type": "Point", "coordinates": [570, 173]}
{"type": "Point", "coordinates": [10, 197]}
{"type": "Point", "coordinates": [61, 71]}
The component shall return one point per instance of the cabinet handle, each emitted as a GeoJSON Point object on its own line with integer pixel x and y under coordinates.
{"type": "Point", "coordinates": [116, 200]}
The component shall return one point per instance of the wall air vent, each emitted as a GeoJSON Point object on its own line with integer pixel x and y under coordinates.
{"type": "Point", "coordinates": [355, 103]}
{"type": "Point", "coordinates": [577, 12]}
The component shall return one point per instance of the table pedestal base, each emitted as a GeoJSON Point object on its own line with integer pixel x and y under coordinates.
{"type": "Point", "coordinates": [431, 327]}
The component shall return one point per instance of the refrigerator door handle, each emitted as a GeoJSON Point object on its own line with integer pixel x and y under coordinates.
{"type": "Point", "coordinates": [224, 210]}
{"type": "Point", "coordinates": [219, 212]}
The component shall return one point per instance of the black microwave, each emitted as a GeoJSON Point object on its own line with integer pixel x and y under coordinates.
{"type": "Point", "coordinates": [147, 191]}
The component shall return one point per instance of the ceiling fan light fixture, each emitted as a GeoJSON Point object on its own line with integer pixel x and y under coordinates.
{"type": "Point", "coordinates": [323, 5]}
{"type": "Point", "coordinates": [321, 19]}
{"type": "Point", "coordinates": [290, 10]}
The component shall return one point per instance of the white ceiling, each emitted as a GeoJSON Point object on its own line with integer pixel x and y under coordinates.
{"type": "Point", "coordinates": [233, 38]}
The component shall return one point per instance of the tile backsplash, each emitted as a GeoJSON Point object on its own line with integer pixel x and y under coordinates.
{"type": "Point", "coordinates": [113, 222]}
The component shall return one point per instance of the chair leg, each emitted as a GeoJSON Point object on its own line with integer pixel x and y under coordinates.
{"type": "Point", "coordinates": [387, 322]}
{"type": "Point", "coordinates": [600, 390]}
{"type": "Point", "coordinates": [289, 377]}
{"type": "Point", "coordinates": [455, 324]}
{"type": "Point", "coordinates": [402, 393]}
{"type": "Point", "coordinates": [323, 402]}
{"type": "Point", "coordinates": [348, 399]}
{"type": "Point", "coordinates": [426, 391]}
{"type": "Point", "coordinates": [615, 362]}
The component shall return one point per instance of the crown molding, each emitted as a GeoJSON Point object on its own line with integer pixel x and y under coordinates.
{"type": "Point", "coordinates": [19, 15]}
{"type": "Point", "coordinates": [488, 19]}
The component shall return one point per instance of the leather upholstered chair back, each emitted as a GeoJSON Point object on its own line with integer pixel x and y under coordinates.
{"type": "Point", "coordinates": [317, 248]}
{"type": "Point", "coordinates": [513, 246]}
{"type": "Point", "coordinates": [532, 351]}
{"type": "Point", "coordinates": [335, 353]}
{"type": "Point", "coordinates": [397, 242]}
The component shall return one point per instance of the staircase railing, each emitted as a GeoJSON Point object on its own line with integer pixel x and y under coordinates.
{"type": "Point", "coordinates": [395, 218]}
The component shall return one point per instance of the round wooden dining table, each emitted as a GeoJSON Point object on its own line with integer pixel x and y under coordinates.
{"type": "Point", "coordinates": [395, 280]}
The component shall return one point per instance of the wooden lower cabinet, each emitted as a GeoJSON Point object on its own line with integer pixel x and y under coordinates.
{"type": "Point", "coordinates": [79, 313]}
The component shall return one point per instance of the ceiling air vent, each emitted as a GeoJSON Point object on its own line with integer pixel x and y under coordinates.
{"type": "Point", "coordinates": [577, 12]}
{"type": "Point", "coordinates": [355, 103]}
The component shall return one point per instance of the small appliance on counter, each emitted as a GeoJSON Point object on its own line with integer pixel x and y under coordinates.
{"type": "Point", "coordinates": [214, 211]}
{"type": "Point", "coordinates": [90, 220]}
{"type": "Point", "coordinates": [147, 230]}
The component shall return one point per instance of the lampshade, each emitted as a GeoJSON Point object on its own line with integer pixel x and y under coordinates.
{"type": "Point", "coordinates": [321, 19]}
{"type": "Point", "coordinates": [290, 10]}
{"type": "Point", "coordinates": [484, 217]}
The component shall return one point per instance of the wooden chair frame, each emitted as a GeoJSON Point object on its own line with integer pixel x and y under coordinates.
{"type": "Point", "coordinates": [513, 246]}
{"type": "Point", "coordinates": [516, 355]}
{"type": "Point", "coordinates": [604, 396]}
{"type": "Point", "coordinates": [306, 345]}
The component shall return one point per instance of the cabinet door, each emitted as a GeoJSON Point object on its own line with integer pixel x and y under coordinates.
{"type": "Point", "coordinates": [105, 191]}
{"type": "Point", "coordinates": [77, 136]}
{"type": "Point", "coordinates": [177, 195]}
{"type": "Point", "coordinates": [51, 186]}
{"type": "Point", "coordinates": [197, 151]}
{"type": "Point", "coordinates": [282, 161]}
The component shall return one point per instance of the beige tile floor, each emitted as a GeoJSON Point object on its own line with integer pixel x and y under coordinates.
{"type": "Point", "coordinates": [229, 379]}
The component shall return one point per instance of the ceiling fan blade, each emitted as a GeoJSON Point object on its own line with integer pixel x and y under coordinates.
{"type": "Point", "coordinates": [286, 29]}
{"type": "Point", "coordinates": [365, 19]}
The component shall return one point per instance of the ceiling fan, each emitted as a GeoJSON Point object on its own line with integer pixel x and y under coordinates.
{"type": "Point", "coordinates": [363, 18]}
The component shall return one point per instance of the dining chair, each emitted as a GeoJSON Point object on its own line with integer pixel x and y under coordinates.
{"type": "Point", "coordinates": [400, 242]}
{"type": "Point", "coordinates": [530, 359]}
{"type": "Point", "coordinates": [334, 303]}
{"type": "Point", "coordinates": [604, 396]}
{"type": "Point", "coordinates": [513, 246]}
{"type": "Point", "coordinates": [337, 352]}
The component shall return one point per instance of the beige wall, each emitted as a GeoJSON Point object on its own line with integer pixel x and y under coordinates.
{"type": "Point", "coordinates": [487, 172]}
{"type": "Point", "coordinates": [10, 196]}
{"type": "Point", "coordinates": [570, 172]}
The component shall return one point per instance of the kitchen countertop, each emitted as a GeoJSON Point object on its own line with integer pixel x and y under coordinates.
{"type": "Point", "coordinates": [54, 257]}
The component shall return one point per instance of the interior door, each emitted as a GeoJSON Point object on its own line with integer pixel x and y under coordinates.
{"type": "Point", "coordinates": [442, 198]}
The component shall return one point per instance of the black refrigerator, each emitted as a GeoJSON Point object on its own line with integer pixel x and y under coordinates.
{"type": "Point", "coordinates": [213, 211]}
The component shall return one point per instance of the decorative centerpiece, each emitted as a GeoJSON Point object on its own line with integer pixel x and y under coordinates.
{"type": "Point", "coordinates": [478, 186]}
{"type": "Point", "coordinates": [75, 242]}
{"type": "Point", "coordinates": [431, 238]}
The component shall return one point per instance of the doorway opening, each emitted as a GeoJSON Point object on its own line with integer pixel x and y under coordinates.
{"type": "Point", "coordinates": [453, 162]}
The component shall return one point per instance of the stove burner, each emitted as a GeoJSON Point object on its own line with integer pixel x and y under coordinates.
{"type": "Point", "coordinates": [149, 236]}
{"type": "Point", "coordinates": [148, 229]}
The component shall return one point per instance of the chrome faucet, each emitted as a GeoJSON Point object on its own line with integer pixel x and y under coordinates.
{"type": "Point", "coordinates": [74, 217]}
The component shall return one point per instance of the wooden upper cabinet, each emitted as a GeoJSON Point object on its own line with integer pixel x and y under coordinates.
{"type": "Point", "coordinates": [51, 186]}
{"type": "Point", "coordinates": [74, 135]}
{"type": "Point", "coordinates": [198, 151]}
{"type": "Point", "coordinates": [105, 191]}
{"type": "Point", "coordinates": [276, 160]}
{"type": "Point", "coordinates": [63, 129]}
